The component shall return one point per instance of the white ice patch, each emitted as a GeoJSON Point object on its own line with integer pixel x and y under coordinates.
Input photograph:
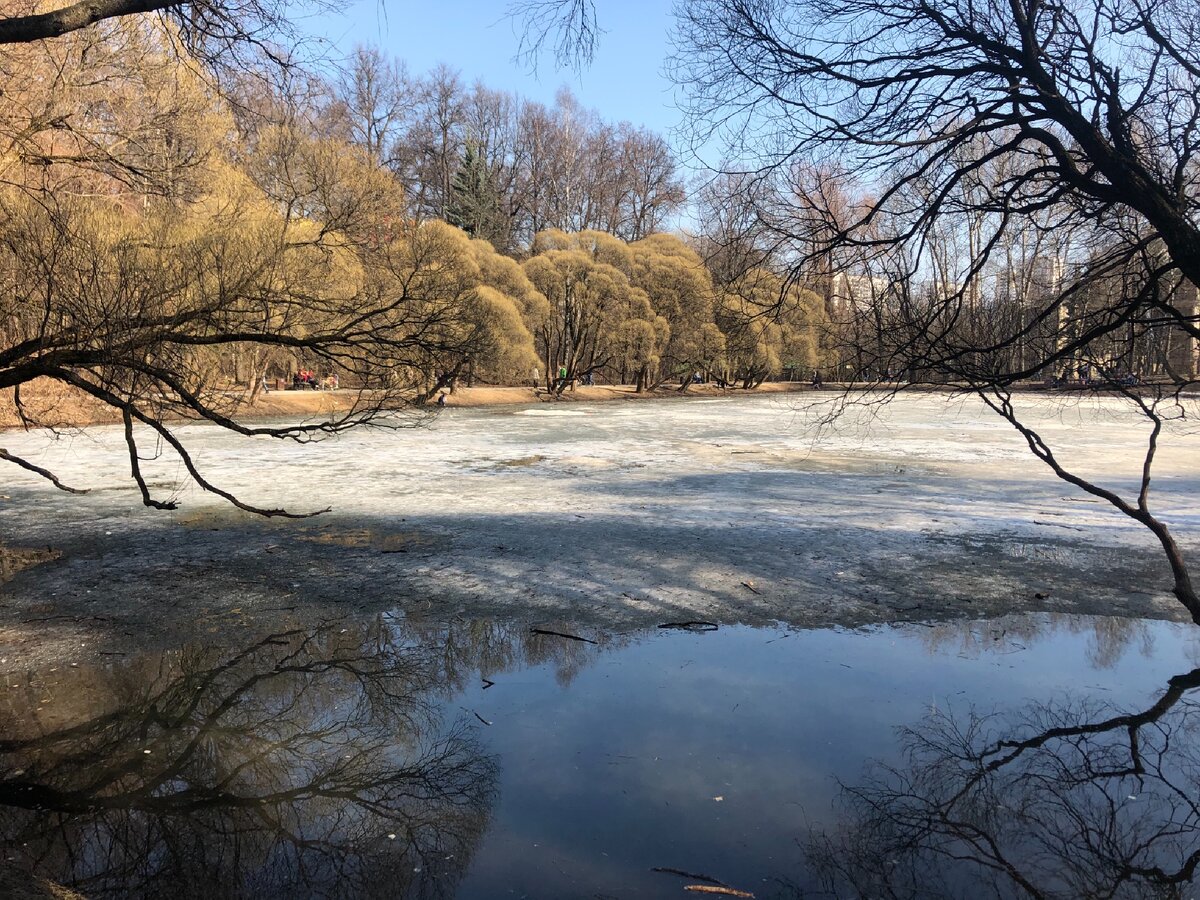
{"type": "Point", "coordinates": [551, 413]}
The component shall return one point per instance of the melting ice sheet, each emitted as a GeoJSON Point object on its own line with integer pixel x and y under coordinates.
{"type": "Point", "coordinates": [477, 759]}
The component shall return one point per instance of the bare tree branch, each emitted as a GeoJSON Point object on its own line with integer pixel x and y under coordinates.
{"type": "Point", "coordinates": [45, 473]}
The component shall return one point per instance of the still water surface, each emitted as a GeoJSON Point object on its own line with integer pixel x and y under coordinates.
{"type": "Point", "coordinates": [398, 758]}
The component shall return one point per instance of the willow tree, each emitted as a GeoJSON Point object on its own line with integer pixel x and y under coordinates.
{"type": "Point", "coordinates": [680, 289]}
{"type": "Point", "coordinates": [597, 317]}
{"type": "Point", "coordinates": [468, 326]}
{"type": "Point", "coordinates": [142, 247]}
{"type": "Point", "coordinates": [761, 346]}
{"type": "Point", "coordinates": [505, 276]}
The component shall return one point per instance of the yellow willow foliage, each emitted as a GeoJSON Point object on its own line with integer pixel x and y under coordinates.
{"type": "Point", "coordinates": [712, 347]}
{"type": "Point", "coordinates": [255, 268]}
{"type": "Point", "coordinates": [576, 277]}
{"type": "Point", "coordinates": [550, 239]}
{"type": "Point", "coordinates": [506, 353]}
{"type": "Point", "coordinates": [768, 328]}
{"type": "Point", "coordinates": [432, 261]}
{"type": "Point", "coordinates": [78, 264]}
{"type": "Point", "coordinates": [680, 290]}
{"type": "Point", "coordinates": [433, 267]}
{"type": "Point", "coordinates": [600, 246]}
{"type": "Point", "coordinates": [637, 341]}
{"type": "Point", "coordinates": [575, 284]}
{"type": "Point", "coordinates": [752, 341]}
{"type": "Point", "coordinates": [328, 181]}
{"type": "Point", "coordinates": [595, 312]}
{"type": "Point", "coordinates": [803, 320]}
{"type": "Point", "coordinates": [506, 276]}
{"type": "Point", "coordinates": [669, 245]}
{"type": "Point", "coordinates": [162, 281]}
{"type": "Point", "coordinates": [109, 109]}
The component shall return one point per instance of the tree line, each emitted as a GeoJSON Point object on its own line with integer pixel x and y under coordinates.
{"type": "Point", "coordinates": [167, 241]}
{"type": "Point", "coordinates": [501, 167]}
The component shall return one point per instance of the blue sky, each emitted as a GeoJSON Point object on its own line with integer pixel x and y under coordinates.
{"type": "Point", "coordinates": [624, 82]}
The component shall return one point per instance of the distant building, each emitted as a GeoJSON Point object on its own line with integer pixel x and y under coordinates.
{"type": "Point", "coordinates": [1148, 345]}
{"type": "Point", "coordinates": [1181, 353]}
{"type": "Point", "coordinates": [855, 304]}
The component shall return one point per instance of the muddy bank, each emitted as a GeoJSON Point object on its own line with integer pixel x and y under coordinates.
{"type": "Point", "coordinates": [59, 406]}
{"type": "Point", "coordinates": [65, 407]}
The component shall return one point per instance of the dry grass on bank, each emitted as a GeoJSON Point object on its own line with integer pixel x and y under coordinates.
{"type": "Point", "coordinates": [60, 406]}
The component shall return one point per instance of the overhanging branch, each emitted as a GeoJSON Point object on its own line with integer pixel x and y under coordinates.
{"type": "Point", "coordinates": [45, 473]}
{"type": "Point", "coordinates": [40, 26]}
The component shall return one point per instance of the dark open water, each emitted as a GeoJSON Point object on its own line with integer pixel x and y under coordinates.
{"type": "Point", "coordinates": [395, 758]}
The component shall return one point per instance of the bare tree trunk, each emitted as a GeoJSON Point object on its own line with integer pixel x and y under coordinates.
{"type": "Point", "coordinates": [1138, 510]}
{"type": "Point", "coordinates": [1183, 589]}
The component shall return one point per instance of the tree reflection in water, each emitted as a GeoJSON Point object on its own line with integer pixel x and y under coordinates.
{"type": "Point", "coordinates": [1068, 799]}
{"type": "Point", "coordinates": [314, 762]}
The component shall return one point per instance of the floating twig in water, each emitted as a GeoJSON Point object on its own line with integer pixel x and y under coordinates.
{"type": "Point", "coordinates": [751, 587]}
{"type": "Point", "coordinates": [691, 626]}
{"type": "Point", "coordinates": [667, 870]}
{"type": "Point", "coordinates": [487, 683]}
{"type": "Point", "coordinates": [722, 890]}
{"type": "Point", "coordinates": [570, 637]}
{"type": "Point", "coordinates": [476, 715]}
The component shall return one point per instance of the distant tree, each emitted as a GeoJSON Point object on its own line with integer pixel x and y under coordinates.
{"type": "Point", "coordinates": [505, 275]}
{"type": "Point", "coordinates": [680, 291]}
{"type": "Point", "coordinates": [648, 187]}
{"type": "Point", "coordinates": [373, 95]}
{"type": "Point", "coordinates": [492, 125]}
{"type": "Point", "coordinates": [469, 326]}
{"type": "Point", "coordinates": [761, 346]}
{"type": "Point", "coordinates": [731, 232]}
{"type": "Point", "coordinates": [597, 318]}
{"type": "Point", "coordinates": [428, 151]}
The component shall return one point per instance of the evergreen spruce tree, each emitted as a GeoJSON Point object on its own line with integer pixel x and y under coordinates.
{"type": "Point", "coordinates": [474, 202]}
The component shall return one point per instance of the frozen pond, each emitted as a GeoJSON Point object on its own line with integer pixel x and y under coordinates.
{"type": "Point", "coordinates": [403, 758]}
{"type": "Point", "coordinates": [618, 515]}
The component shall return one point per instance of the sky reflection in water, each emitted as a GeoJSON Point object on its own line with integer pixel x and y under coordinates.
{"type": "Point", "coordinates": [399, 758]}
